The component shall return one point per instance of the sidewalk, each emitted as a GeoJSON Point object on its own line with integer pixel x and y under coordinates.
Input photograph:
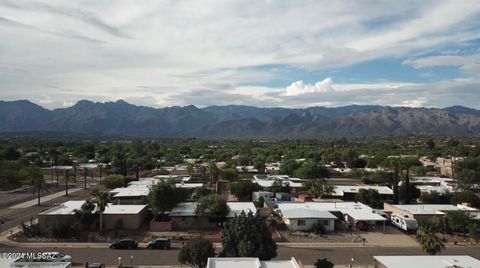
{"type": "Point", "coordinates": [46, 198]}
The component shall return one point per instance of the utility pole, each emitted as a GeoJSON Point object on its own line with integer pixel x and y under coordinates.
{"type": "Point", "coordinates": [66, 182]}
{"type": "Point", "coordinates": [84, 178]}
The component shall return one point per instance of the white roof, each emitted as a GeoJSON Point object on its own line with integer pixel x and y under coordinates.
{"type": "Point", "coordinates": [250, 263]}
{"type": "Point", "coordinates": [434, 179]}
{"type": "Point", "coordinates": [429, 209]}
{"type": "Point", "coordinates": [188, 185]}
{"type": "Point", "coordinates": [424, 261]}
{"type": "Point", "coordinates": [188, 209]}
{"type": "Point", "coordinates": [172, 177]}
{"type": "Point", "coordinates": [356, 210]}
{"type": "Point", "coordinates": [302, 213]}
{"type": "Point", "coordinates": [340, 190]}
{"type": "Point", "coordinates": [130, 192]}
{"type": "Point", "coordinates": [269, 183]}
{"type": "Point", "coordinates": [67, 208]}
{"type": "Point", "coordinates": [430, 188]}
{"type": "Point", "coordinates": [124, 209]}
{"type": "Point", "coordinates": [236, 208]}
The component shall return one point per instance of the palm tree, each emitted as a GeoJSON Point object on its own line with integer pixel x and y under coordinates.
{"type": "Point", "coordinates": [100, 199]}
{"type": "Point", "coordinates": [37, 180]}
{"type": "Point", "coordinates": [213, 171]}
{"type": "Point", "coordinates": [428, 238]}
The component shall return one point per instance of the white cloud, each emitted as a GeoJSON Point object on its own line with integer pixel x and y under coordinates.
{"type": "Point", "coordinates": [299, 88]}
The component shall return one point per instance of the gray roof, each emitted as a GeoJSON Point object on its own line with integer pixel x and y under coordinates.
{"type": "Point", "coordinates": [302, 213]}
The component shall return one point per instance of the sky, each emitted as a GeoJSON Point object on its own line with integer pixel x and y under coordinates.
{"type": "Point", "coordinates": [262, 53]}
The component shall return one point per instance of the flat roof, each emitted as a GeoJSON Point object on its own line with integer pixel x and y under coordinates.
{"type": "Point", "coordinates": [188, 185]}
{"type": "Point", "coordinates": [430, 188]}
{"type": "Point", "coordinates": [124, 209]}
{"type": "Point", "coordinates": [302, 213]}
{"type": "Point", "coordinates": [67, 208]}
{"type": "Point", "coordinates": [39, 265]}
{"type": "Point", "coordinates": [340, 190]}
{"type": "Point", "coordinates": [269, 183]}
{"type": "Point", "coordinates": [425, 261]}
{"type": "Point", "coordinates": [188, 208]}
{"type": "Point", "coordinates": [356, 210]}
{"type": "Point", "coordinates": [429, 209]}
{"type": "Point", "coordinates": [250, 263]}
{"type": "Point", "coordinates": [130, 191]}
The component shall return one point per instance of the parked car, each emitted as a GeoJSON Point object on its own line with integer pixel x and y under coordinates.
{"type": "Point", "coordinates": [159, 243]}
{"type": "Point", "coordinates": [124, 244]}
{"type": "Point", "coordinates": [96, 265]}
{"type": "Point", "coordinates": [55, 257]}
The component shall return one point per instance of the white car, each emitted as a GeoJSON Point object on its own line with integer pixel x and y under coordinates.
{"type": "Point", "coordinates": [55, 257]}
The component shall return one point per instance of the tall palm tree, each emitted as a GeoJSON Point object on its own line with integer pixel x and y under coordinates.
{"type": "Point", "coordinates": [100, 199]}
{"type": "Point", "coordinates": [37, 181]}
{"type": "Point", "coordinates": [429, 240]}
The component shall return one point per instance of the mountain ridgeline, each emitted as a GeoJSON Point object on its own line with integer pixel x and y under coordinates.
{"type": "Point", "coordinates": [123, 119]}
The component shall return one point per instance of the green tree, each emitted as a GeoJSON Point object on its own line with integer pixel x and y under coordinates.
{"type": "Point", "coordinates": [279, 186]}
{"type": "Point", "coordinates": [458, 221]}
{"type": "Point", "coordinates": [410, 190]}
{"type": "Point", "coordinates": [228, 174]}
{"type": "Point", "coordinates": [323, 263]}
{"type": "Point", "coordinates": [319, 188]}
{"type": "Point", "coordinates": [310, 170]}
{"type": "Point", "coordinates": [245, 188]}
{"type": "Point", "coordinates": [247, 235]}
{"type": "Point", "coordinates": [370, 197]}
{"type": "Point", "coordinates": [212, 206]}
{"type": "Point", "coordinates": [428, 238]}
{"type": "Point", "coordinates": [165, 196]}
{"type": "Point", "coordinates": [37, 181]}
{"type": "Point", "coordinates": [201, 191]}
{"type": "Point", "coordinates": [86, 214]}
{"type": "Point", "coordinates": [288, 167]}
{"type": "Point", "coordinates": [196, 252]}
{"type": "Point", "coordinates": [114, 181]}
{"type": "Point", "coordinates": [100, 199]}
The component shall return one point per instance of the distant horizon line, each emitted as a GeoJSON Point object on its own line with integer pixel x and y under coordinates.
{"type": "Point", "coordinates": [234, 105]}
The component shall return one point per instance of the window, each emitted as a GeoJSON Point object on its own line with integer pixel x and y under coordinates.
{"type": "Point", "coordinates": [323, 222]}
{"type": "Point", "coordinates": [301, 223]}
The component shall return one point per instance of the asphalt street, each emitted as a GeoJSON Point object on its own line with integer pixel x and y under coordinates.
{"type": "Point", "coordinates": [339, 255]}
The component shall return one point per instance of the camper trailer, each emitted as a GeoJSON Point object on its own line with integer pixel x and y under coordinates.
{"type": "Point", "coordinates": [404, 222]}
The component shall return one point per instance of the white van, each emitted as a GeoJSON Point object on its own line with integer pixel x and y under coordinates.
{"type": "Point", "coordinates": [404, 222]}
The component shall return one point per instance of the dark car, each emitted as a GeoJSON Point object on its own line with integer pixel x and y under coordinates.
{"type": "Point", "coordinates": [159, 243]}
{"type": "Point", "coordinates": [96, 265]}
{"type": "Point", "coordinates": [124, 244]}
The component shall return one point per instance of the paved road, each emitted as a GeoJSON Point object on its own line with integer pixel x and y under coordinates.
{"type": "Point", "coordinates": [44, 199]}
{"type": "Point", "coordinates": [339, 255]}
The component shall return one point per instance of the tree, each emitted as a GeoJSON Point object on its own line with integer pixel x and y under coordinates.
{"type": "Point", "coordinates": [428, 238]}
{"type": "Point", "coordinates": [212, 206]}
{"type": "Point", "coordinates": [100, 199]}
{"type": "Point", "coordinates": [411, 190]}
{"type": "Point", "coordinates": [247, 235]}
{"type": "Point", "coordinates": [288, 167]}
{"type": "Point", "coordinates": [201, 191]}
{"type": "Point", "coordinates": [323, 263]}
{"type": "Point", "coordinates": [435, 197]}
{"type": "Point", "coordinates": [196, 252]}
{"type": "Point", "coordinates": [245, 188]}
{"type": "Point", "coordinates": [228, 174]}
{"type": "Point", "coordinates": [279, 186]}
{"type": "Point", "coordinates": [86, 214]}
{"type": "Point", "coordinates": [165, 196]}
{"type": "Point", "coordinates": [458, 221]}
{"type": "Point", "coordinates": [465, 197]}
{"type": "Point", "coordinates": [370, 197]}
{"type": "Point", "coordinates": [320, 188]}
{"type": "Point", "coordinates": [310, 170]}
{"type": "Point", "coordinates": [37, 181]}
{"type": "Point", "coordinates": [114, 181]}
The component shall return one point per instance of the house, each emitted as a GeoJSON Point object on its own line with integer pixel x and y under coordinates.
{"type": "Point", "coordinates": [247, 262]}
{"type": "Point", "coordinates": [266, 181]}
{"type": "Point", "coordinates": [130, 217]}
{"type": "Point", "coordinates": [433, 181]}
{"type": "Point", "coordinates": [63, 212]}
{"type": "Point", "coordinates": [422, 212]}
{"type": "Point", "coordinates": [303, 219]}
{"type": "Point", "coordinates": [184, 216]}
{"type": "Point", "coordinates": [353, 213]}
{"type": "Point", "coordinates": [246, 169]}
{"type": "Point", "coordinates": [130, 195]}
{"type": "Point", "coordinates": [422, 261]}
{"type": "Point", "coordinates": [347, 192]}
{"type": "Point", "coordinates": [439, 189]}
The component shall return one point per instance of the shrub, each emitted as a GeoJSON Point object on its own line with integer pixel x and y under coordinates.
{"type": "Point", "coordinates": [318, 228]}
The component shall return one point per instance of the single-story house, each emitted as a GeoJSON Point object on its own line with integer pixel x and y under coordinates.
{"type": "Point", "coordinates": [436, 261]}
{"type": "Point", "coordinates": [63, 212]}
{"type": "Point", "coordinates": [247, 262]}
{"type": "Point", "coordinates": [351, 212]}
{"type": "Point", "coordinates": [129, 195]}
{"type": "Point", "coordinates": [183, 216]}
{"type": "Point", "coordinates": [433, 181]}
{"type": "Point", "coordinates": [347, 192]}
{"type": "Point", "coordinates": [130, 216]}
{"type": "Point", "coordinates": [422, 212]}
{"type": "Point", "coordinates": [302, 219]}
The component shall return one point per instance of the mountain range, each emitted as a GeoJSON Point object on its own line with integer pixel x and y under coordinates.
{"type": "Point", "coordinates": [123, 119]}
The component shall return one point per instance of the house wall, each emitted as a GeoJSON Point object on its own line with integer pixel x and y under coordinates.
{"type": "Point", "coordinates": [130, 221]}
{"type": "Point", "coordinates": [419, 217]}
{"type": "Point", "coordinates": [293, 224]}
